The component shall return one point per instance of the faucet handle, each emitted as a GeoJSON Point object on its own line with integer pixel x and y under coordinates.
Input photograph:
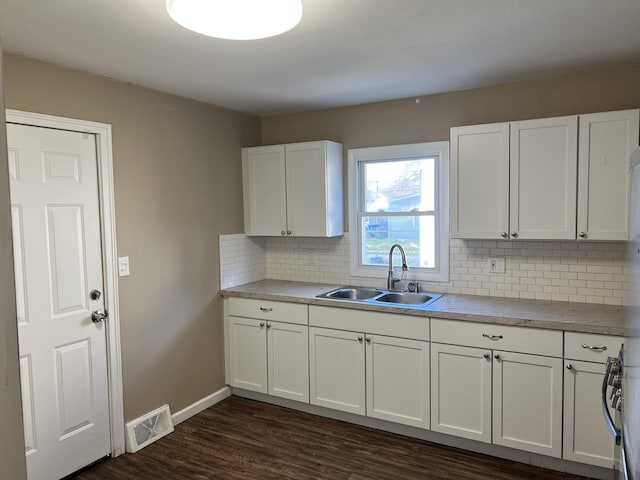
{"type": "Point", "coordinates": [413, 286]}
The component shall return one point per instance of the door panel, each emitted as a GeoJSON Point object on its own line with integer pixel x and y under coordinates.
{"type": "Point", "coordinates": [58, 261]}
{"type": "Point", "coordinates": [288, 348]}
{"type": "Point", "coordinates": [527, 402]}
{"type": "Point", "coordinates": [544, 168]}
{"type": "Point", "coordinates": [480, 181]}
{"type": "Point", "coordinates": [461, 391]}
{"type": "Point", "coordinates": [586, 437]}
{"type": "Point", "coordinates": [398, 380]}
{"type": "Point", "coordinates": [66, 259]}
{"type": "Point", "coordinates": [249, 354]}
{"type": "Point", "coordinates": [26, 385]}
{"type": "Point", "coordinates": [73, 387]}
{"type": "Point", "coordinates": [19, 266]}
{"type": "Point", "coordinates": [337, 369]}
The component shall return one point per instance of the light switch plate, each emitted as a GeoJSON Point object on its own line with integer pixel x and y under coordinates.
{"type": "Point", "coordinates": [496, 265]}
{"type": "Point", "coordinates": [123, 266]}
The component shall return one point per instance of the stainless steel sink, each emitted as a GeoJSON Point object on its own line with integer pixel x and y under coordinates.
{"type": "Point", "coordinates": [352, 293]}
{"type": "Point", "coordinates": [405, 298]}
{"type": "Point", "coordinates": [373, 295]}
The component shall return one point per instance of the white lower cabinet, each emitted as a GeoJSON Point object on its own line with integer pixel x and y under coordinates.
{"type": "Point", "coordinates": [461, 391]}
{"type": "Point", "coordinates": [268, 356]}
{"type": "Point", "coordinates": [493, 395]}
{"type": "Point", "coordinates": [527, 402]}
{"type": "Point", "coordinates": [374, 375]}
{"type": "Point", "coordinates": [586, 437]}
{"type": "Point", "coordinates": [336, 370]}
{"type": "Point", "coordinates": [484, 382]}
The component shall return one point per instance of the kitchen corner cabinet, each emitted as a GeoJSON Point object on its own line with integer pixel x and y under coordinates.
{"type": "Point", "coordinates": [520, 180]}
{"type": "Point", "coordinates": [268, 348]}
{"type": "Point", "coordinates": [497, 384]}
{"type": "Point", "coordinates": [293, 190]}
{"type": "Point", "coordinates": [356, 367]}
{"type": "Point", "coordinates": [586, 438]}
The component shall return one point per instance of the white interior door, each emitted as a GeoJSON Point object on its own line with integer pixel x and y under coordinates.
{"type": "Point", "coordinates": [58, 262]}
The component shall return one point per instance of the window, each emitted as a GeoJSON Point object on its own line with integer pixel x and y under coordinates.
{"type": "Point", "coordinates": [400, 194]}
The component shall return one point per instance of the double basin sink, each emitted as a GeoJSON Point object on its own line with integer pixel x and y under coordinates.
{"type": "Point", "coordinates": [374, 295]}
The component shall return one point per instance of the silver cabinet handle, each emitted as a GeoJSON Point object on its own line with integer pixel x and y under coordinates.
{"type": "Point", "coordinates": [497, 356]}
{"type": "Point", "coordinates": [282, 232]}
{"type": "Point", "coordinates": [99, 316]}
{"type": "Point", "coordinates": [492, 337]}
{"type": "Point", "coordinates": [368, 340]}
{"type": "Point", "coordinates": [266, 309]}
{"type": "Point", "coordinates": [360, 339]}
{"type": "Point", "coordinates": [514, 234]}
{"type": "Point", "coordinates": [268, 325]}
{"type": "Point", "coordinates": [487, 356]}
{"type": "Point", "coordinates": [569, 367]}
{"type": "Point", "coordinates": [261, 324]}
{"type": "Point", "coordinates": [288, 232]}
{"type": "Point", "coordinates": [594, 349]}
{"type": "Point", "coordinates": [582, 234]}
{"type": "Point", "coordinates": [504, 234]}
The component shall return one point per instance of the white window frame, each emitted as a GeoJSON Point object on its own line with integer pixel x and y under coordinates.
{"type": "Point", "coordinates": [439, 150]}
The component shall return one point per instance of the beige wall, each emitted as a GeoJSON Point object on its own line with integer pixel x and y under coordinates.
{"type": "Point", "coordinates": [405, 121]}
{"type": "Point", "coordinates": [12, 460]}
{"type": "Point", "coordinates": [177, 170]}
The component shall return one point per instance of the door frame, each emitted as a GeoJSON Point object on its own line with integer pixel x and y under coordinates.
{"type": "Point", "coordinates": [104, 153]}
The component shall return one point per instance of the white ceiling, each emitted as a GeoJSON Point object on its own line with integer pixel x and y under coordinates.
{"type": "Point", "coordinates": [343, 52]}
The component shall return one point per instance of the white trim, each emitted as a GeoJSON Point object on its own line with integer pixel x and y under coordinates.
{"type": "Point", "coordinates": [109, 249]}
{"type": "Point", "coordinates": [430, 149]}
{"type": "Point", "coordinates": [200, 405]}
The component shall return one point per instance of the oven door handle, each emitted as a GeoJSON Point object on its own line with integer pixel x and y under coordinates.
{"type": "Point", "coordinates": [615, 432]}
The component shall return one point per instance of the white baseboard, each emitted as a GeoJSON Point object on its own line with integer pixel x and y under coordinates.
{"type": "Point", "coordinates": [200, 405]}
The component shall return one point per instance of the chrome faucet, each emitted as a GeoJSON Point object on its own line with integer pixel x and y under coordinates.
{"type": "Point", "coordinates": [391, 280]}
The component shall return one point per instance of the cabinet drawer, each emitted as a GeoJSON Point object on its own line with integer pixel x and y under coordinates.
{"type": "Point", "coordinates": [268, 310]}
{"type": "Point", "coordinates": [590, 347]}
{"type": "Point", "coordinates": [390, 324]}
{"type": "Point", "coordinates": [499, 337]}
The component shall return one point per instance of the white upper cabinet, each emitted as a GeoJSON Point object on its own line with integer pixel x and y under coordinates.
{"type": "Point", "coordinates": [551, 178]}
{"type": "Point", "coordinates": [264, 188]}
{"type": "Point", "coordinates": [480, 181]}
{"type": "Point", "coordinates": [606, 142]}
{"type": "Point", "coordinates": [293, 189]}
{"type": "Point", "coordinates": [543, 172]}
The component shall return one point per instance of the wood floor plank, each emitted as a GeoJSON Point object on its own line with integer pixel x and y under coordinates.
{"type": "Point", "coordinates": [248, 440]}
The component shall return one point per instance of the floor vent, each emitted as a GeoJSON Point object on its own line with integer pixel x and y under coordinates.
{"type": "Point", "coordinates": [148, 428]}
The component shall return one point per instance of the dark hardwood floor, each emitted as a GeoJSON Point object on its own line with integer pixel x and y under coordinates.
{"type": "Point", "coordinates": [244, 439]}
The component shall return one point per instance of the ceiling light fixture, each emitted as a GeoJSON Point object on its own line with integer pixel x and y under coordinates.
{"type": "Point", "coordinates": [236, 19]}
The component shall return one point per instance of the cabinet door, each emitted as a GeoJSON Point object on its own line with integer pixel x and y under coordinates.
{"type": "Point", "coordinates": [586, 438]}
{"type": "Point", "coordinates": [480, 181]}
{"type": "Point", "coordinates": [461, 391]}
{"type": "Point", "coordinates": [248, 354]}
{"type": "Point", "coordinates": [398, 380]}
{"type": "Point", "coordinates": [527, 402]}
{"type": "Point", "coordinates": [606, 142]}
{"type": "Point", "coordinates": [544, 160]}
{"type": "Point", "coordinates": [336, 365]}
{"type": "Point", "coordinates": [264, 190]}
{"type": "Point", "coordinates": [314, 189]}
{"type": "Point", "coordinates": [288, 364]}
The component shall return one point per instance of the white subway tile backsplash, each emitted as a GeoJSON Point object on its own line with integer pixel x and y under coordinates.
{"type": "Point", "coordinates": [560, 270]}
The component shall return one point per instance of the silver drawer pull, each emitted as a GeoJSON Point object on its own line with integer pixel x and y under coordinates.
{"type": "Point", "coordinates": [594, 349]}
{"type": "Point", "coordinates": [492, 337]}
{"type": "Point", "coordinates": [264, 309]}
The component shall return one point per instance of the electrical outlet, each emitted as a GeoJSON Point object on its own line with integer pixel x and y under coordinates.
{"type": "Point", "coordinates": [496, 265]}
